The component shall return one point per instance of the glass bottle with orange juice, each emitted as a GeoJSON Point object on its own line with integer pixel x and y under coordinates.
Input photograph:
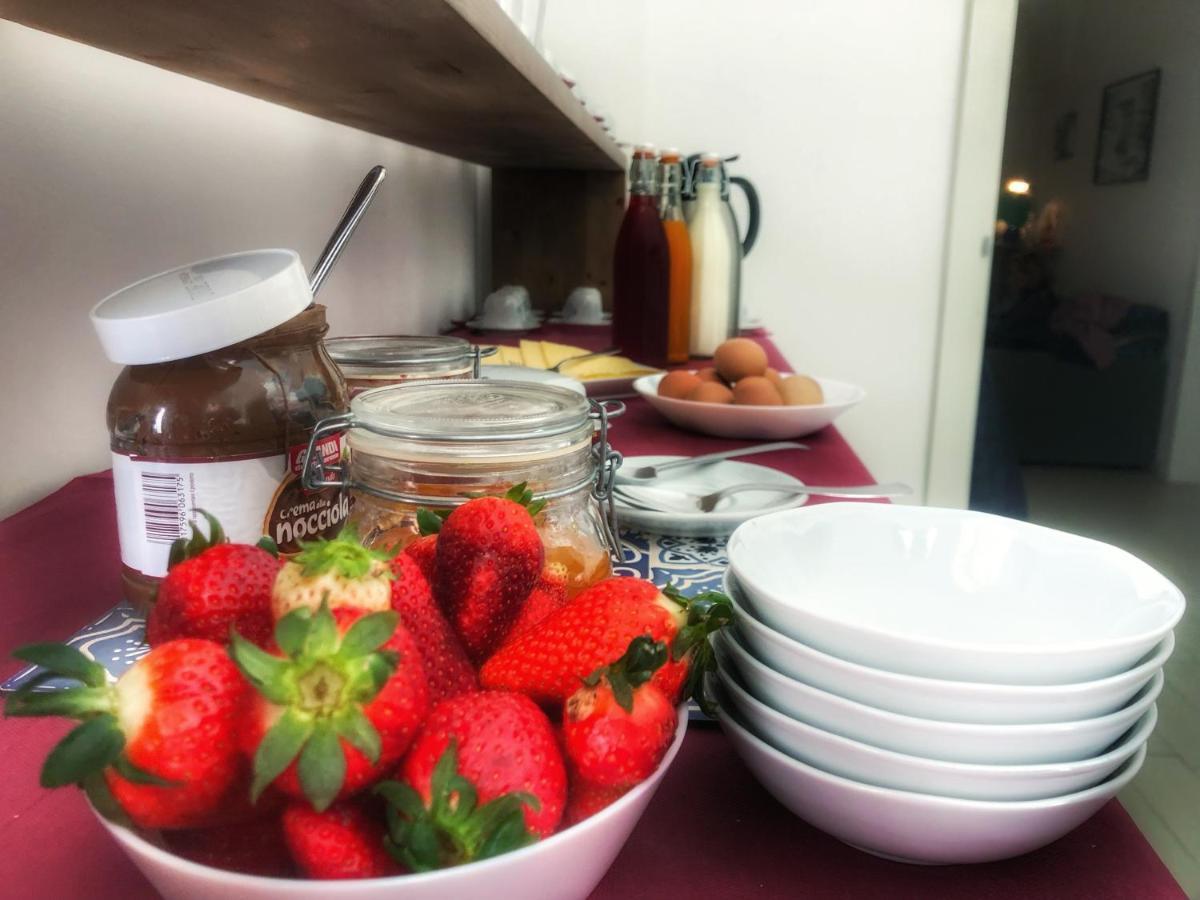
{"type": "Point", "coordinates": [679, 249]}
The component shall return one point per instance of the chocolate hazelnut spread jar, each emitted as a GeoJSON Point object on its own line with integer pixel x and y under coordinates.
{"type": "Point", "coordinates": [226, 378]}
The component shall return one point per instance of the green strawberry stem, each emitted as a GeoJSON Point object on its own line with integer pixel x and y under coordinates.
{"type": "Point", "coordinates": [637, 665]}
{"type": "Point", "coordinates": [93, 745]}
{"type": "Point", "coordinates": [454, 828]}
{"type": "Point", "coordinates": [321, 683]}
{"type": "Point", "coordinates": [428, 522]}
{"type": "Point", "coordinates": [707, 613]}
{"type": "Point", "coordinates": [344, 554]}
{"type": "Point", "coordinates": [186, 548]}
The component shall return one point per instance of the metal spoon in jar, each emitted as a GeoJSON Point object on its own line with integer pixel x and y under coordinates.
{"type": "Point", "coordinates": [349, 221]}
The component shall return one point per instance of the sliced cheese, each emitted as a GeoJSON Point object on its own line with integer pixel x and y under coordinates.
{"type": "Point", "coordinates": [531, 353]}
{"type": "Point", "coordinates": [556, 353]}
{"type": "Point", "coordinates": [605, 367]}
{"type": "Point", "coordinates": [506, 356]}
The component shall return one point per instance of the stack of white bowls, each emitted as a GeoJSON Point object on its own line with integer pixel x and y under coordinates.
{"type": "Point", "coordinates": [939, 686]}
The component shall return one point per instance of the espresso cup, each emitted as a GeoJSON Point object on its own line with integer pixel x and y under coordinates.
{"type": "Point", "coordinates": [583, 307]}
{"type": "Point", "coordinates": [507, 306]}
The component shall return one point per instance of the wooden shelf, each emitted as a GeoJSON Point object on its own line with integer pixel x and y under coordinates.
{"type": "Point", "coordinates": [453, 76]}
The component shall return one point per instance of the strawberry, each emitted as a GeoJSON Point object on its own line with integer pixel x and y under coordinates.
{"type": "Point", "coordinates": [489, 556]}
{"type": "Point", "coordinates": [344, 841]}
{"type": "Point", "coordinates": [448, 672]}
{"type": "Point", "coordinates": [161, 741]}
{"type": "Point", "coordinates": [618, 726]}
{"type": "Point", "coordinates": [341, 572]}
{"type": "Point", "coordinates": [585, 799]}
{"type": "Point", "coordinates": [423, 549]}
{"type": "Point", "coordinates": [337, 704]}
{"type": "Point", "coordinates": [212, 586]}
{"type": "Point", "coordinates": [254, 847]}
{"type": "Point", "coordinates": [548, 595]}
{"type": "Point", "coordinates": [548, 662]}
{"type": "Point", "coordinates": [504, 743]}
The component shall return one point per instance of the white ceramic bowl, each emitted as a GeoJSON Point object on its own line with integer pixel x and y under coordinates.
{"type": "Point", "coordinates": [932, 698]}
{"type": "Point", "coordinates": [885, 768]}
{"type": "Point", "coordinates": [1049, 742]}
{"type": "Point", "coordinates": [566, 865]}
{"type": "Point", "coordinates": [766, 422]}
{"type": "Point", "coordinates": [953, 594]}
{"type": "Point", "coordinates": [914, 827]}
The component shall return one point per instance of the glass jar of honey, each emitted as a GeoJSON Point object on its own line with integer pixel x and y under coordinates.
{"type": "Point", "coordinates": [371, 361]}
{"type": "Point", "coordinates": [435, 444]}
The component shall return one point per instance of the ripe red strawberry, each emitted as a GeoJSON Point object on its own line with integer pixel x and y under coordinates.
{"type": "Point", "coordinates": [423, 550]}
{"type": "Point", "coordinates": [504, 743]}
{"type": "Point", "coordinates": [161, 741]}
{"type": "Point", "coordinates": [585, 799]}
{"type": "Point", "coordinates": [489, 556]}
{"type": "Point", "coordinates": [618, 726]}
{"type": "Point", "coordinates": [344, 841]}
{"type": "Point", "coordinates": [548, 662]}
{"type": "Point", "coordinates": [212, 586]}
{"type": "Point", "coordinates": [448, 672]}
{"type": "Point", "coordinates": [337, 705]}
{"type": "Point", "coordinates": [547, 596]}
{"type": "Point", "coordinates": [340, 572]}
{"type": "Point", "coordinates": [254, 847]}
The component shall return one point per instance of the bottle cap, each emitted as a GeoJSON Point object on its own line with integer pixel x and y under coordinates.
{"type": "Point", "coordinates": [670, 155]}
{"type": "Point", "coordinates": [644, 151]}
{"type": "Point", "coordinates": [201, 307]}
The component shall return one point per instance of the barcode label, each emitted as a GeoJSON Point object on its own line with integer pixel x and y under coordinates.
{"type": "Point", "coordinates": [164, 506]}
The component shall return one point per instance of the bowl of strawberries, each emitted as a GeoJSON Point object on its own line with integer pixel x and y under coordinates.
{"type": "Point", "coordinates": [352, 722]}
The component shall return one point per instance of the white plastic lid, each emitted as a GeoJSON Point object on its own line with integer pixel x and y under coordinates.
{"type": "Point", "coordinates": [201, 307]}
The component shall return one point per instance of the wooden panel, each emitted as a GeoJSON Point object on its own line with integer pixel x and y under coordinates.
{"type": "Point", "coordinates": [555, 230]}
{"type": "Point", "coordinates": [454, 76]}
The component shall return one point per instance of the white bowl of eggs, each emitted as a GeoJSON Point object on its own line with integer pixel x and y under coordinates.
{"type": "Point", "coordinates": [740, 396]}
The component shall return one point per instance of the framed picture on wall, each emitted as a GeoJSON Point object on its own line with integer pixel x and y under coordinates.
{"type": "Point", "coordinates": [1127, 129]}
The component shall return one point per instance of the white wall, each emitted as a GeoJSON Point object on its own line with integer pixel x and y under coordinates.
{"type": "Point", "coordinates": [845, 115]}
{"type": "Point", "coordinates": [1138, 241]}
{"type": "Point", "coordinates": [845, 112]}
{"type": "Point", "coordinates": [111, 170]}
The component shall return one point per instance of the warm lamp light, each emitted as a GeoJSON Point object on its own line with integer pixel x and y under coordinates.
{"type": "Point", "coordinates": [1017, 186]}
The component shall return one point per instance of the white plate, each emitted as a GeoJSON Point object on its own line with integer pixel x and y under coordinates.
{"type": "Point", "coordinates": [525, 373]}
{"type": "Point", "coordinates": [1047, 742]}
{"type": "Point", "coordinates": [482, 325]}
{"type": "Point", "coordinates": [766, 422]}
{"type": "Point", "coordinates": [684, 519]}
{"type": "Point", "coordinates": [568, 864]}
{"type": "Point", "coordinates": [556, 319]}
{"type": "Point", "coordinates": [953, 594]}
{"type": "Point", "coordinates": [913, 827]}
{"type": "Point", "coordinates": [932, 698]}
{"type": "Point", "coordinates": [970, 781]}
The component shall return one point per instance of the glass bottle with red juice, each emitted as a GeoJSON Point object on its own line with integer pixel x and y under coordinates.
{"type": "Point", "coordinates": [641, 269]}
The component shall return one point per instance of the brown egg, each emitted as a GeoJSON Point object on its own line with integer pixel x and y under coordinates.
{"type": "Point", "coordinates": [755, 390]}
{"type": "Point", "coordinates": [708, 373]}
{"type": "Point", "coordinates": [677, 384]}
{"type": "Point", "coordinates": [739, 357]}
{"type": "Point", "coordinates": [800, 390]}
{"type": "Point", "coordinates": [711, 392]}
{"type": "Point", "coordinates": [773, 376]}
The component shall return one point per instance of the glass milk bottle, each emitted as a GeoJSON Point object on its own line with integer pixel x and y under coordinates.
{"type": "Point", "coordinates": [679, 246]}
{"type": "Point", "coordinates": [715, 262]}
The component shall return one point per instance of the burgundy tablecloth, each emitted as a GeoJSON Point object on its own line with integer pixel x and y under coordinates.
{"type": "Point", "coordinates": [710, 832]}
